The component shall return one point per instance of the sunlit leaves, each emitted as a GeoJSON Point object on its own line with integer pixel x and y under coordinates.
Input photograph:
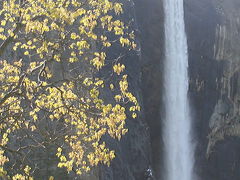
{"type": "Point", "coordinates": [118, 68]}
{"type": "Point", "coordinates": [63, 45]}
{"type": "Point", "coordinates": [99, 60]}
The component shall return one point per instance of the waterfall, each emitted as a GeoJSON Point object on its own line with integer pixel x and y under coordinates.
{"type": "Point", "coordinates": [178, 148]}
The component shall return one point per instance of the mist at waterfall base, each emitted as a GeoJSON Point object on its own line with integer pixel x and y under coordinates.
{"type": "Point", "coordinates": [178, 149]}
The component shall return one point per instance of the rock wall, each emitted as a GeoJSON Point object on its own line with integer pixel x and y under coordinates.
{"type": "Point", "coordinates": [213, 38]}
{"type": "Point", "coordinates": [223, 146]}
{"type": "Point", "coordinates": [150, 18]}
{"type": "Point", "coordinates": [133, 152]}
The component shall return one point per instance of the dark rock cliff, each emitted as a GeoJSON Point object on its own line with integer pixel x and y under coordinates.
{"type": "Point", "coordinates": [149, 15]}
{"type": "Point", "coordinates": [213, 39]}
{"type": "Point", "coordinates": [133, 152]}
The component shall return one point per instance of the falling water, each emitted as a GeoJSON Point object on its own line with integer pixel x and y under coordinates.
{"type": "Point", "coordinates": [177, 123]}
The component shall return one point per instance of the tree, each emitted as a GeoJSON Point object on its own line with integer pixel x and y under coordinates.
{"type": "Point", "coordinates": [52, 94]}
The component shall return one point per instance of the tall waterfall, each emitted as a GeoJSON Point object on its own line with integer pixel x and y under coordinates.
{"type": "Point", "coordinates": [177, 122]}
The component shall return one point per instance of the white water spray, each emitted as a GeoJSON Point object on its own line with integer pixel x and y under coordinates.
{"type": "Point", "coordinates": [177, 123]}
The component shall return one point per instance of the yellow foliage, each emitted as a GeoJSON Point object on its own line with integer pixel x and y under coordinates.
{"type": "Point", "coordinates": [49, 34]}
{"type": "Point", "coordinates": [118, 68]}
